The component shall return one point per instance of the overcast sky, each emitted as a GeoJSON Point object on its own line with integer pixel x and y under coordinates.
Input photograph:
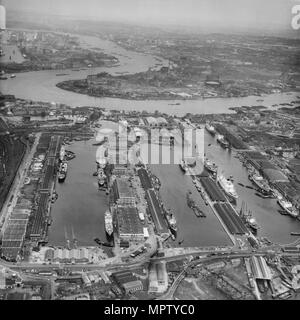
{"type": "Point", "coordinates": [218, 14]}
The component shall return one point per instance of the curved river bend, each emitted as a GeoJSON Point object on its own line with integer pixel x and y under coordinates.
{"type": "Point", "coordinates": [41, 85]}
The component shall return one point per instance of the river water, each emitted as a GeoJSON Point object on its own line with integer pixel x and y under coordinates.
{"type": "Point", "coordinates": [81, 206]}
{"type": "Point", "coordinates": [41, 86]}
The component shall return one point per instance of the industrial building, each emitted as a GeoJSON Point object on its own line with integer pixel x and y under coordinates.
{"type": "Point", "coordinates": [158, 278]}
{"type": "Point", "coordinates": [68, 256]}
{"type": "Point", "coordinates": [129, 225]}
{"type": "Point", "coordinates": [14, 235]}
{"type": "Point", "coordinates": [122, 192]}
{"type": "Point", "coordinates": [127, 281]}
{"type": "Point", "coordinates": [260, 269]}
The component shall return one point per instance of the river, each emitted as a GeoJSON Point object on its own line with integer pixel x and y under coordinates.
{"type": "Point", "coordinates": [41, 86]}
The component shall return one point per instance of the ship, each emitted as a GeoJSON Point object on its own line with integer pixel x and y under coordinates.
{"type": "Point", "coordinates": [248, 219]}
{"type": "Point", "coordinates": [261, 183]}
{"type": "Point", "coordinates": [62, 173]}
{"type": "Point", "coordinates": [288, 208]}
{"type": "Point", "coordinates": [196, 209]}
{"type": "Point", "coordinates": [183, 165]}
{"type": "Point", "coordinates": [223, 142]}
{"type": "Point", "coordinates": [171, 222]}
{"type": "Point", "coordinates": [228, 187]}
{"type": "Point", "coordinates": [211, 129]}
{"type": "Point", "coordinates": [101, 178]}
{"type": "Point", "coordinates": [108, 223]}
{"type": "Point", "coordinates": [62, 153]}
{"type": "Point", "coordinates": [211, 167]}
{"type": "Point", "coordinates": [251, 223]}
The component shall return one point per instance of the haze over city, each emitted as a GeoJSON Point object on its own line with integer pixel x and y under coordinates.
{"type": "Point", "coordinates": [216, 15]}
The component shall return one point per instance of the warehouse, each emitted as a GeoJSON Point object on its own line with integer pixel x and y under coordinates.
{"type": "Point", "coordinates": [122, 192]}
{"type": "Point", "coordinates": [127, 281]}
{"type": "Point", "coordinates": [260, 269]}
{"type": "Point", "coordinates": [129, 225]}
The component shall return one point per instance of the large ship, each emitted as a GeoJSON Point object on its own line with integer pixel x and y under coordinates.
{"type": "Point", "coordinates": [171, 221]}
{"type": "Point", "coordinates": [62, 172]}
{"type": "Point", "coordinates": [210, 166]}
{"type": "Point", "coordinates": [248, 219]}
{"type": "Point", "coordinates": [108, 223]}
{"type": "Point", "coordinates": [228, 187]}
{"type": "Point", "coordinates": [223, 142]}
{"type": "Point", "coordinates": [261, 183]}
{"type": "Point", "coordinates": [288, 207]}
{"type": "Point", "coordinates": [211, 129]}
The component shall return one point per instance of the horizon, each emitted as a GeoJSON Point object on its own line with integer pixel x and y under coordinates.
{"type": "Point", "coordinates": [233, 16]}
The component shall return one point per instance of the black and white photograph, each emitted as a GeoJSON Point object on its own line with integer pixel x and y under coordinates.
{"type": "Point", "coordinates": [150, 153]}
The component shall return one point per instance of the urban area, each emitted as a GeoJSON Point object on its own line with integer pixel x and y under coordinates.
{"type": "Point", "coordinates": [115, 183]}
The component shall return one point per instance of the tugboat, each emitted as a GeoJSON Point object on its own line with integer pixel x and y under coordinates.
{"type": "Point", "coordinates": [223, 142]}
{"type": "Point", "coordinates": [108, 223]}
{"type": "Point", "coordinates": [211, 129]}
{"type": "Point", "coordinates": [228, 187]}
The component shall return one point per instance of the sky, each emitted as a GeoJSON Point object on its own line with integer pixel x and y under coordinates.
{"type": "Point", "coordinates": [218, 14]}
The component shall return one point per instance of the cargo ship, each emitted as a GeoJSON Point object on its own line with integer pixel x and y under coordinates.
{"type": "Point", "coordinates": [211, 167]}
{"type": "Point", "coordinates": [172, 223]}
{"type": "Point", "coordinates": [62, 173]}
{"type": "Point", "coordinates": [288, 208]}
{"type": "Point", "coordinates": [222, 141]}
{"type": "Point", "coordinates": [211, 129]}
{"type": "Point", "coordinates": [108, 223]}
{"type": "Point", "coordinates": [196, 209]}
{"type": "Point", "coordinates": [251, 223]}
{"type": "Point", "coordinates": [228, 187]}
{"type": "Point", "coordinates": [248, 219]}
{"type": "Point", "coordinates": [261, 183]}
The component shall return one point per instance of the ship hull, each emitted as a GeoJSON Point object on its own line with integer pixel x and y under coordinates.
{"type": "Point", "coordinates": [230, 196]}
{"type": "Point", "coordinates": [288, 211]}
{"type": "Point", "coordinates": [61, 179]}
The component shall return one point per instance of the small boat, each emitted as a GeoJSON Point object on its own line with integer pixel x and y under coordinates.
{"type": "Point", "coordinates": [295, 234]}
{"type": "Point", "coordinates": [12, 76]}
{"type": "Point", "coordinates": [181, 241]}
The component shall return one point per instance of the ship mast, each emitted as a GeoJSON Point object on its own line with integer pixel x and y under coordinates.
{"type": "Point", "coordinates": [66, 239]}
{"type": "Point", "coordinates": [74, 239]}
